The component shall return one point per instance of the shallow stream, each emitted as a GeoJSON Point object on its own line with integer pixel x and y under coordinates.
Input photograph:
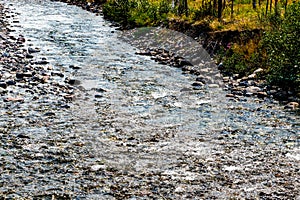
{"type": "Point", "coordinates": [138, 129]}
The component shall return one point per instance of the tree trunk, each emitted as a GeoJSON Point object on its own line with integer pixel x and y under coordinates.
{"type": "Point", "coordinates": [214, 4]}
{"type": "Point", "coordinates": [186, 9]}
{"type": "Point", "coordinates": [285, 5]}
{"type": "Point", "coordinates": [183, 8]}
{"type": "Point", "coordinates": [232, 1]}
{"type": "Point", "coordinates": [276, 8]}
{"type": "Point", "coordinates": [219, 9]}
{"type": "Point", "coordinates": [174, 4]}
{"type": "Point", "coordinates": [267, 6]}
{"type": "Point", "coordinates": [254, 4]}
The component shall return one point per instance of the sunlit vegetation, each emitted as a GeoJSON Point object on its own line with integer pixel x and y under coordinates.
{"type": "Point", "coordinates": [221, 14]}
{"type": "Point", "coordinates": [276, 50]}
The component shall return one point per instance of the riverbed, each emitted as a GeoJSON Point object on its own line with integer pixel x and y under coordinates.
{"type": "Point", "coordinates": [130, 128]}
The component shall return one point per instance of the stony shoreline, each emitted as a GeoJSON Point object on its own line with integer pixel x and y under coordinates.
{"type": "Point", "coordinates": [26, 79]}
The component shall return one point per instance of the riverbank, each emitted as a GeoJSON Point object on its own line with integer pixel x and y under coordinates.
{"type": "Point", "coordinates": [253, 84]}
{"type": "Point", "coordinates": [29, 85]}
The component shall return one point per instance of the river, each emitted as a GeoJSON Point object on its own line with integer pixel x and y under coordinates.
{"type": "Point", "coordinates": [138, 129]}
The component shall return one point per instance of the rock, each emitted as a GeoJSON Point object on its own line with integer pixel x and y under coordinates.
{"type": "Point", "coordinates": [19, 75]}
{"type": "Point", "coordinates": [97, 167]}
{"type": "Point", "coordinates": [69, 97]}
{"type": "Point", "coordinates": [259, 70]}
{"type": "Point", "coordinates": [49, 114]}
{"type": "Point", "coordinates": [230, 95]}
{"type": "Point", "coordinates": [292, 105]}
{"type": "Point", "coordinates": [28, 74]}
{"type": "Point", "coordinates": [29, 55]}
{"type": "Point", "coordinates": [2, 90]}
{"type": "Point", "coordinates": [221, 66]}
{"type": "Point", "coordinates": [201, 79]}
{"type": "Point", "coordinates": [97, 96]}
{"type": "Point", "coordinates": [252, 76]}
{"type": "Point", "coordinates": [100, 90]}
{"type": "Point", "coordinates": [11, 82]}
{"type": "Point", "coordinates": [21, 39]}
{"type": "Point", "coordinates": [244, 84]}
{"type": "Point", "coordinates": [213, 86]}
{"type": "Point", "coordinates": [248, 94]}
{"type": "Point", "coordinates": [198, 84]}
{"type": "Point", "coordinates": [253, 89]}
{"type": "Point", "coordinates": [261, 94]}
{"type": "Point", "coordinates": [179, 189]}
{"type": "Point", "coordinates": [41, 62]}
{"type": "Point", "coordinates": [14, 99]}
{"type": "Point", "coordinates": [185, 63]}
{"type": "Point", "coordinates": [226, 79]}
{"type": "Point", "coordinates": [235, 76]}
{"type": "Point", "coordinates": [72, 81]}
{"type": "Point", "coordinates": [3, 85]}
{"type": "Point", "coordinates": [32, 50]}
{"type": "Point", "coordinates": [74, 67]}
{"type": "Point", "coordinates": [57, 73]}
{"type": "Point", "coordinates": [143, 52]}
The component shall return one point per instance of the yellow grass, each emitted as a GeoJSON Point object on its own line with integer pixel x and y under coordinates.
{"type": "Point", "coordinates": [244, 17]}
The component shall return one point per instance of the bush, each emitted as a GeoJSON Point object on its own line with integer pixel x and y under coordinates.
{"type": "Point", "coordinates": [281, 46]}
{"type": "Point", "coordinates": [278, 51]}
{"type": "Point", "coordinates": [134, 13]}
{"type": "Point", "coordinates": [119, 11]}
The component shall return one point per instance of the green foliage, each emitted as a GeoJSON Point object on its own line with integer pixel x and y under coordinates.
{"type": "Point", "coordinates": [240, 62]}
{"type": "Point", "coordinates": [136, 12]}
{"type": "Point", "coordinates": [278, 51]}
{"type": "Point", "coordinates": [235, 63]}
{"type": "Point", "coordinates": [118, 10]}
{"type": "Point", "coordinates": [205, 10]}
{"type": "Point", "coordinates": [281, 46]}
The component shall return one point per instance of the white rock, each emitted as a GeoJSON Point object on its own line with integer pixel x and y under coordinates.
{"type": "Point", "coordinates": [259, 70]}
{"type": "Point", "coordinates": [232, 168]}
{"type": "Point", "coordinates": [253, 89]}
{"type": "Point", "coordinates": [97, 167]}
{"type": "Point", "coordinates": [252, 76]}
{"type": "Point", "coordinates": [179, 189]}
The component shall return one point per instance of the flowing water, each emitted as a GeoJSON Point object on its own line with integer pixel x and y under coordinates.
{"type": "Point", "coordinates": [138, 129]}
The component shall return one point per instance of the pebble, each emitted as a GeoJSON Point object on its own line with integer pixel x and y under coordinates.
{"type": "Point", "coordinates": [292, 105]}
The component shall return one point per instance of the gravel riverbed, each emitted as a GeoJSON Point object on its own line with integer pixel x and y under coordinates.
{"type": "Point", "coordinates": [84, 117]}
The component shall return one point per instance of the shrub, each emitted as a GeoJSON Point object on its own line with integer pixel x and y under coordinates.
{"type": "Point", "coordinates": [281, 46]}
{"type": "Point", "coordinates": [136, 12]}
{"type": "Point", "coordinates": [278, 51]}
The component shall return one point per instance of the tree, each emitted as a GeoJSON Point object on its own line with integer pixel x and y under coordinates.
{"type": "Point", "coordinates": [183, 7]}
{"type": "Point", "coordinates": [220, 9]}
{"type": "Point", "coordinates": [254, 4]}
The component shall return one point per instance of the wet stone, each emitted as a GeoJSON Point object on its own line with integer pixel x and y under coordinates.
{"type": "Point", "coordinates": [32, 50]}
{"type": "Point", "coordinates": [3, 85]}
{"type": "Point", "coordinates": [10, 82]}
